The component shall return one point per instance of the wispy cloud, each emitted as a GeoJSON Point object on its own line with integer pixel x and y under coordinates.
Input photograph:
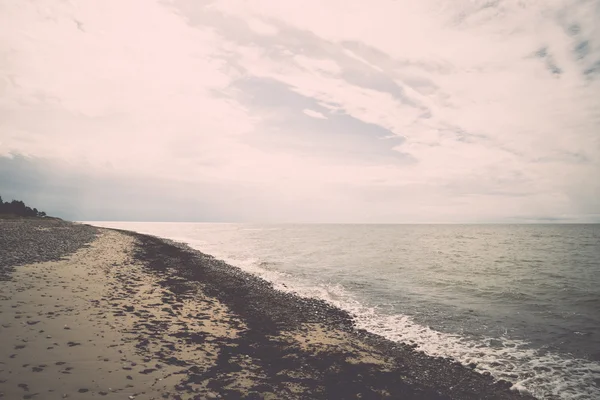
{"type": "Point", "coordinates": [340, 111]}
{"type": "Point", "coordinates": [314, 114]}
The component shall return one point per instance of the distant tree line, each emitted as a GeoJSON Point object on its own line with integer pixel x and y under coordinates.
{"type": "Point", "coordinates": [17, 207]}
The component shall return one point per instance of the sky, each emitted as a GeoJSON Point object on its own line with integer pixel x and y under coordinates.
{"type": "Point", "coordinates": [390, 111]}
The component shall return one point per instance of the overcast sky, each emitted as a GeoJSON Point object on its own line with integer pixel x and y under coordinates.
{"type": "Point", "coordinates": [302, 111]}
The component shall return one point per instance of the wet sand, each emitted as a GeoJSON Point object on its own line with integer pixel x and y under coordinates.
{"type": "Point", "coordinates": [138, 317]}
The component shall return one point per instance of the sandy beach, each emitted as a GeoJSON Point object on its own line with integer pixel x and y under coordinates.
{"type": "Point", "coordinates": [98, 313]}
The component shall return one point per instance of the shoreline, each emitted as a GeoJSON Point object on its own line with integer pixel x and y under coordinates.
{"type": "Point", "coordinates": [214, 330]}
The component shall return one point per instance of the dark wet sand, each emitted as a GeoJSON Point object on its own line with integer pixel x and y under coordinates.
{"type": "Point", "coordinates": [133, 316]}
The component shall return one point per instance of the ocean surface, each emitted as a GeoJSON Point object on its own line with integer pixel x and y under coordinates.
{"type": "Point", "coordinates": [521, 301]}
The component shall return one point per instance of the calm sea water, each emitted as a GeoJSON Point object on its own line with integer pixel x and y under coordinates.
{"type": "Point", "coordinates": [521, 301]}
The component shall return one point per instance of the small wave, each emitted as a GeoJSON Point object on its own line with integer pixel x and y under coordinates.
{"type": "Point", "coordinates": [546, 375]}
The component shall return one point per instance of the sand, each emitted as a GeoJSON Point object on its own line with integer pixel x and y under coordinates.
{"type": "Point", "coordinates": [130, 316]}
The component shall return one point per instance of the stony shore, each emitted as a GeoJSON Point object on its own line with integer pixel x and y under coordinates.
{"type": "Point", "coordinates": [98, 313]}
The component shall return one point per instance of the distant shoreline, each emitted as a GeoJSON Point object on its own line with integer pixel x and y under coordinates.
{"type": "Point", "coordinates": [17, 217]}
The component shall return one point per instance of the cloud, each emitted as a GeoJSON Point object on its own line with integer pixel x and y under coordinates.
{"type": "Point", "coordinates": [314, 114]}
{"type": "Point", "coordinates": [411, 111]}
{"type": "Point", "coordinates": [261, 27]}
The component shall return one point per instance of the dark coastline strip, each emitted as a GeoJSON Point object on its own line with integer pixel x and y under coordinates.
{"type": "Point", "coordinates": [268, 313]}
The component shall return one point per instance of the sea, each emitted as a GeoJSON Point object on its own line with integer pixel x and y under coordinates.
{"type": "Point", "coordinates": [520, 301]}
